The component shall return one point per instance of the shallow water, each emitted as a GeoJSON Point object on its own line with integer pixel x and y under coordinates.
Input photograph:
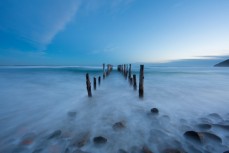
{"type": "Point", "coordinates": [37, 101]}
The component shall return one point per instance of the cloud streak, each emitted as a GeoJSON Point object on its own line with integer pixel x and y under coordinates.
{"type": "Point", "coordinates": [38, 21]}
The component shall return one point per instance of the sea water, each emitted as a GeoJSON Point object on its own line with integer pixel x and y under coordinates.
{"type": "Point", "coordinates": [47, 110]}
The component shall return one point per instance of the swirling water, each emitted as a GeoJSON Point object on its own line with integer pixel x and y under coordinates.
{"type": "Point", "coordinates": [37, 101]}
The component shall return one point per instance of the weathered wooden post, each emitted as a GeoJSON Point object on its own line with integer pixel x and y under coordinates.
{"type": "Point", "coordinates": [141, 81]}
{"type": "Point", "coordinates": [103, 67]}
{"type": "Point", "coordinates": [94, 83]}
{"type": "Point", "coordinates": [99, 80]}
{"type": "Point", "coordinates": [135, 83]}
{"type": "Point", "coordinates": [88, 83]}
{"type": "Point", "coordinates": [130, 71]}
{"type": "Point", "coordinates": [124, 71]}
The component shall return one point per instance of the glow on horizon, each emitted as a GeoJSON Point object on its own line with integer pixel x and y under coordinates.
{"type": "Point", "coordinates": [78, 32]}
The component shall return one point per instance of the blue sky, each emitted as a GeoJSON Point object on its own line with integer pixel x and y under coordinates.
{"type": "Point", "coordinates": [90, 32]}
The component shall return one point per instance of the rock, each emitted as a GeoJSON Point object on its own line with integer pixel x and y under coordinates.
{"type": "Point", "coordinates": [28, 139]}
{"type": "Point", "coordinates": [193, 136]}
{"type": "Point", "coordinates": [118, 125]}
{"type": "Point", "coordinates": [204, 126]}
{"type": "Point", "coordinates": [154, 111]}
{"type": "Point", "coordinates": [67, 150]}
{"type": "Point", "coordinates": [222, 126]}
{"type": "Point", "coordinates": [79, 151]}
{"type": "Point", "coordinates": [226, 151]}
{"type": "Point", "coordinates": [55, 134]}
{"type": "Point", "coordinates": [216, 117]}
{"type": "Point", "coordinates": [37, 151]}
{"type": "Point", "coordinates": [201, 137]}
{"type": "Point", "coordinates": [122, 151]}
{"type": "Point", "coordinates": [145, 149]}
{"type": "Point", "coordinates": [99, 140]}
{"type": "Point", "coordinates": [205, 136]}
{"type": "Point", "coordinates": [72, 114]}
{"type": "Point", "coordinates": [81, 140]}
{"type": "Point", "coordinates": [171, 150]}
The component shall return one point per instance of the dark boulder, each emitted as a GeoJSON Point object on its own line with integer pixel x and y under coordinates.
{"type": "Point", "coordinates": [145, 149]}
{"type": "Point", "coordinates": [55, 134]}
{"type": "Point", "coordinates": [122, 151]}
{"type": "Point", "coordinates": [118, 125]}
{"type": "Point", "coordinates": [72, 114]}
{"type": "Point", "coordinates": [99, 140]}
{"type": "Point", "coordinates": [154, 111]}
{"type": "Point", "coordinates": [192, 135]}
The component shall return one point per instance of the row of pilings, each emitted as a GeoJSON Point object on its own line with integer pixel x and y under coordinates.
{"type": "Point", "coordinates": [127, 73]}
{"type": "Point", "coordinates": [106, 73]}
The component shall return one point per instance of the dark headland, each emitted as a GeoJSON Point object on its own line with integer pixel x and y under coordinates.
{"type": "Point", "coordinates": [223, 64]}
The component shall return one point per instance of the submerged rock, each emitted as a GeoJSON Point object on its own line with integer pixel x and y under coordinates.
{"type": "Point", "coordinates": [99, 140]}
{"type": "Point", "coordinates": [145, 149]}
{"type": "Point", "coordinates": [118, 125]}
{"type": "Point", "coordinates": [154, 111]}
{"type": "Point", "coordinates": [37, 151]}
{"type": "Point", "coordinates": [81, 140]}
{"type": "Point", "coordinates": [79, 151]}
{"type": "Point", "coordinates": [206, 136]}
{"type": "Point", "coordinates": [202, 137]}
{"type": "Point", "coordinates": [55, 134]}
{"type": "Point", "coordinates": [72, 114]}
{"type": "Point", "coordinates": [122, 151]}
{"type": "Point", "coordinates": [28, 139]}
{"type": "Point", "coordinates": [204, 126]}
{"type": "Point", "coordinates": [226, 151]}
{"type": "Point", "coordinates": [172, 150]}
{"type": "Point", "coordinates": [193, 136]}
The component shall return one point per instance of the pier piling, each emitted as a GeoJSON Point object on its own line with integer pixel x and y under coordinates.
{"type": "Point", "coordinates": [88, 83]}
{"type": "Point", "coordinates": [141, 81]}
{"type": "Point", "coordinates": [94, 83]}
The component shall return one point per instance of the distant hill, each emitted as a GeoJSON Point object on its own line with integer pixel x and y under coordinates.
{"type": "Point", "coordinates": [223, 64]}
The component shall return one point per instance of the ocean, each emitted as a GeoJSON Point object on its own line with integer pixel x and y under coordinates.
{"type": "Point", "coordinates": [46, 109]}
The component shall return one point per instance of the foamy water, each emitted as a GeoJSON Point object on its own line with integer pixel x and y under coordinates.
{"type": "Point", "coordinates": [35, 102]}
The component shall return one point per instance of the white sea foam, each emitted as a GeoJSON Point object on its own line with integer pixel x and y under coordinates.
{"type": "Point", "coordinates": [38, 101]}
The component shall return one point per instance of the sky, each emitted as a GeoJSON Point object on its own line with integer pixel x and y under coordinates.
{"type": "Point", "coordinates": [91, 32]}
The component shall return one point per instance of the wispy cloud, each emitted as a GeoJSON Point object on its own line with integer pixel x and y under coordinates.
{"type": "Point", "coordinates": [38, 21]}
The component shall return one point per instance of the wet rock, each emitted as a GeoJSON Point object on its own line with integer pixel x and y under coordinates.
{"type": "Point", "coordinates": [172, 150]}
{"type": "Point", "coordinates": [204, 126]}
{"type": "Point", "coordinates": [145, 149]}
{"type": "Point", "coordinates": [118, 125]}
{"type": "Point", "coordinates": [226, 151]}
{"type": "Point", "coordinates": [216, 117]}
{"type": "Point", "coordinates": [37, 151]}
{"type": "Point", "coordinates": [72, 114]}
{"type": "Point", "coordinates": [222, 126]}
{"type": "Point", "coordinates": [28, 139]}
{"type": "Point", "coordinates": [205, 120]}
{"type": "Point", "coordinates": [193, 136]}
{"type": "Point", "coordinates": [79, 151]}
{"type": "Point", "coordinates": [81, 140]}
{"type": "Point", "coordinates": [55, 134]}
{"type": "Point", "coordinates": [206, 136]}
{"type": "Point", "coordinates": [154, 111]}
{"type": "Point", "coordinates": [67, 150]}
{"type": "Point", "coordinates": [122, 151]}
{"type": "Point", "coordinates": [99, 140]}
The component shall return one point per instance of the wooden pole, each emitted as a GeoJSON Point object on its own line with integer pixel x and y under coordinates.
{"type": "Point", "coordinates": [135, 83]}
{"type": "Point", "coordinates": [103, 67]}
{"type": "Point", "coordinates": [99, 80]}
{"type": "Point", "coordinates": [141, 81]}
{"type": "Point", "coordinates": [94, 83]}
{"type": "Point", "coordinates": [104, 75]}
{"type": "Point", "coordinates": [130, 71]}
{"type": "Point", "coordinates": [88, 83]}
